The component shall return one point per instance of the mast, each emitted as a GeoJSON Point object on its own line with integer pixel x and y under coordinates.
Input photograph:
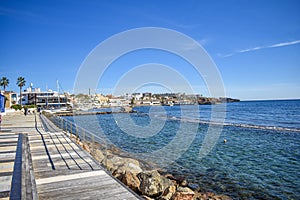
{"type": "Point", "coordinates": [47, 96]}
{"type": "Point", "coordinates": [58, 93]}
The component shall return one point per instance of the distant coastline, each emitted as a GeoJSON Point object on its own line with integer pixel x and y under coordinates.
{"type": "Point", "coordinates": [250, 100]}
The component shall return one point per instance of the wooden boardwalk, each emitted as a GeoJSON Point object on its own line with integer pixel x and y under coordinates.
{"type": "Point", "coordinates": [62, 170]}
{"type": "Point", "coordinates": [8, 147]}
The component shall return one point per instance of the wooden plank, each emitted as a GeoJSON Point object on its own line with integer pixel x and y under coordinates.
{"type": "Point", "coordinates": [62, 169]}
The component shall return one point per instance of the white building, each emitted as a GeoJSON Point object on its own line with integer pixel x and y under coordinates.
{"type": "Point", "coordinates": [118, 102]}
{"type": "Point", "coordinates": [137, 96]}
{"type": "Point", "coordinates": [47, 99]}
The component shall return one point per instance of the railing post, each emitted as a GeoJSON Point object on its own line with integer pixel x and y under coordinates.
{"type": "Point", "coordinates": [93, 144]}
{"type": "Point", "coordinates": [71, 129]}
{"type": "Point", "coordinates": [67, 126]}
{"type": "Point", "coordinates": [83, 135]}
{"type": "Point", "coordinates": [76, 131]}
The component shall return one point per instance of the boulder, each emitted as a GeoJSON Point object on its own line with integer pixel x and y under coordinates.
{"type": "Point", "coordinates": [118, 165]}
{"type": "Point", "coordinates": [131, 180]}
{"type": "Point", "coordinates": [169, 176]}
{"type": "Point", "coordinates": [108, 164]}
{"type": "Point", "coordinates": [152, 183]}
{"type": "Point", "coordinates": [184, 183]}
{"type": "Point", "coordinates": [181, 181]}
{"type": "Point", "coordinates": [80, 143]}
{"type": "Point", "coordinates": [128, 165]}
{"type": "Point", "coordinates": [168, 193]}
{"type": "Point", "coordinates": [99, 155]}
{"type": "Point", "coordinates": [183, 193]}
{"type": "Point", "coordinates": [86, 147]}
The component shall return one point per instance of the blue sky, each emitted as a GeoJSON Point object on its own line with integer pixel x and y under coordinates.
{"type": "Point", "coordinates": [255, 44]}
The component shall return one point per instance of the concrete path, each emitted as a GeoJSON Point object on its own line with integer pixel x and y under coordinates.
{"type": "Point", "coordinates": [56, 168]}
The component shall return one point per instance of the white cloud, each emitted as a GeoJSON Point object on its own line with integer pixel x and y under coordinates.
{"type": "Point", "coordinates": [284, 44]}
{"type": "Point", "coordinates": [262, 47]}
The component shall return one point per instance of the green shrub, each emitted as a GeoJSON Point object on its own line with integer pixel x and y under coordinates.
{"type": "Point", "coordinates": [30, 106]}
{"type": "Point", "coordinates": [16, 107]}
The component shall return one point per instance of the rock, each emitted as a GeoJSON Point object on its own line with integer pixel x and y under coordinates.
{"type": "Point", "coordinates": [168, 193]}
{"type": "Point", "coordinates": [99, 155]}
{"type": "Point", "coordinates": [210, 195]}
{"type": "Point", "coordinates": [128, 165]}
{"type": "Point", "coordinates": [80, 143]}
{"type": "Point", "coordinates": [152, 183]}
{"type": "Point", "coordinates": [183, 193]}
{"type": "Point", "coordinates": [131, 180]}
{"type": "Point", "coordinates": [86, 147]}
{"type": "Point", "coordinates": [169, 176]}
{"type": "Point", "coordinates": [108, 164]}
{"type": "Point", "coordinates": [181, 181]}
{"type": "Point", "coordinates": [146, 197]}
{"type": "Point", "coordinates": [223, 197]}
{"type": "Point", "coordinates": [174, 183]}
{"type": "Point", "coordinates": [194, 186]}
{"type": "Point", "coordinates": [184, 183]}
{"type": "Point", "coordinates": [118, 165]}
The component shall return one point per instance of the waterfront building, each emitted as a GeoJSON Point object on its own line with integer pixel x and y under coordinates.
{"type": "Point", "coordinates": [147, 96]}
{"type": "Point", "coordinates": [44, 99]}
{"type": "Point", "coordinates": [116, 102]}
{"type": "Point", "coordinates": [137, 96]}
{"type": "Point", "coordinates": [11, 98]}
{"type": "Point", "coordinates": [101, 100]}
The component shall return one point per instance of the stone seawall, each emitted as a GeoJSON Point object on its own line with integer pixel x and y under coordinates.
{"type": "Point", "coordinates": [144, 178]}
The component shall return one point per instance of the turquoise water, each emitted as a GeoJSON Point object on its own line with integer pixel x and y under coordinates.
{"type": "Point", "coordinates": [260, 160]}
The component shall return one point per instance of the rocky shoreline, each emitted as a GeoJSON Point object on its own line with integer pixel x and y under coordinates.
{"type": "Point", "coordinates": [143, 178]}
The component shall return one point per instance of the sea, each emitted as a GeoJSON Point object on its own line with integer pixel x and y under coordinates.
{"type": "Point", "coordinates": [253, 153]}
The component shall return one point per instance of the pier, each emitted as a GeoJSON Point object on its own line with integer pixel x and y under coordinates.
{"type": "Point", "coordinates": [37, 162]}
{"type": "Point", "coordinates": [77, 113]}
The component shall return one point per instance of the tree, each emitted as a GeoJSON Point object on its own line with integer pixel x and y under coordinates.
{"type": "Point", "coordinates": [21, 82]}
{"type": "Point", "coordinates": [4, 82]}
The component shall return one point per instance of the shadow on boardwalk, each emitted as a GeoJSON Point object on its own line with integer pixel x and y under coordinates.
{"type": "Point", "coordinates": [61, 169]}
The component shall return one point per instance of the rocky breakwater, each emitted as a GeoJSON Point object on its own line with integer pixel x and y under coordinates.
{"type": "Point", "coordinates": [147, 182]}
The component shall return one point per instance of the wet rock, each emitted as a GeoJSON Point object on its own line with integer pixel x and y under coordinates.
{"type": "Point", "coordinates": [170, 176]}
{"type": "Point", "coordinates": [181, 181]}
{"type": "Point", "coordinates": [168, 193]}
{"type": "Point", "coordinates": [152, 183]}
{"type": "Point", "coordinates": [131, 180]}
{"type": "Point", "coordinates": [223, 197]}
{"type": "Point", "coordinates": [194, 186]}
{"type": "Point", "coordinates": [183, 193]}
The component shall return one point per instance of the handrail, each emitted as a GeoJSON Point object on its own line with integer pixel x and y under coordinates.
{"type": "Point", "coordinates": [83, 134]}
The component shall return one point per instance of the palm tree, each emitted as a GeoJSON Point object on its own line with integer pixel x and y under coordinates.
{"type": "Point", "coordinates": [4, 82]}
{"type": "Point", "coordinates": [21, 82]}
